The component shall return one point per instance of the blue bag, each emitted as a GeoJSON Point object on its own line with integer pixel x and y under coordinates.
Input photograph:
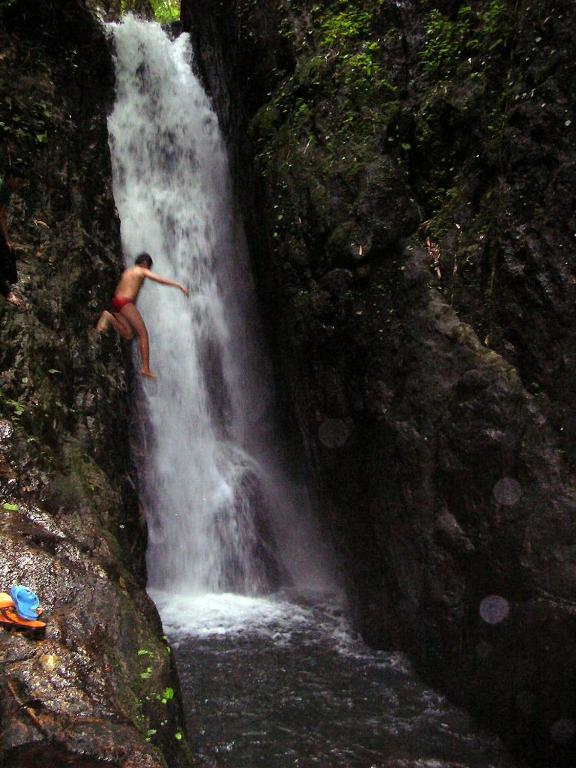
{"type": "Point", "coordinates": [26, 602]}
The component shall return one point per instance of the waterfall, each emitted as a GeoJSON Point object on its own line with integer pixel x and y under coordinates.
{"type": "Point", "coordinates": [214, 492]}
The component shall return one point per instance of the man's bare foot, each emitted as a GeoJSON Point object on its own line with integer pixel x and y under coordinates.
{"type": "Point", "coordinates": [104, 322]}
{"type": "Point", "coordinates": [147, 372]}
{"type": "Point", "coordinates": [14, 300]}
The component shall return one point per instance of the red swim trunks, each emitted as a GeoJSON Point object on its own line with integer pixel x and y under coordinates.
{"type": "Point", "coordinates": [120, 301]}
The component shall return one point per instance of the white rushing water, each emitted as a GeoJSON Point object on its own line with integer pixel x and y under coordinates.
{"type": "Point", "coordinates": [215, 498]}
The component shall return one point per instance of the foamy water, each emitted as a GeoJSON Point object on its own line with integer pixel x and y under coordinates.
{"type": "Point", "coordinates": [210, 615]}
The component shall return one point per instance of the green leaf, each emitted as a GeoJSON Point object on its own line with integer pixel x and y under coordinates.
{"type": "Point", "coordinates": [10, 507]}
{"type": "Point", "coordinates": [151, 731]}
{"type": "Point", "coordinates": [178, 735]}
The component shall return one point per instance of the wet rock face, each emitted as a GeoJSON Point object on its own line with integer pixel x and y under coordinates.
{"type": "Point", "coordinates": [407, 175]}
{"type": "Point", "coordinates": [97, 687]}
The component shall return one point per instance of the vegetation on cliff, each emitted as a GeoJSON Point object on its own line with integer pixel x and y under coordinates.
{"type": "Point", "coordinates": [164, 11]}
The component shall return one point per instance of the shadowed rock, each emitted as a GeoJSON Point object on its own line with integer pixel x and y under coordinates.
{"type": "Point", "coordinates": [451, 355]}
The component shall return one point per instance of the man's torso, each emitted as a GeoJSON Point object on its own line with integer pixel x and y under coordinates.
{"type": "Point", "coordinates": [130, 283]}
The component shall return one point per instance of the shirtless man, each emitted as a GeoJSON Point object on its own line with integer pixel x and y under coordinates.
{"type": "Point", "coordinates": [125, 318]}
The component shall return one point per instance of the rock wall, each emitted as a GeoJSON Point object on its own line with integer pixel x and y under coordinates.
{"type": "Point", "coordinates": [407, 174]}
{"type": "Point", "coordinates": [98, 688]}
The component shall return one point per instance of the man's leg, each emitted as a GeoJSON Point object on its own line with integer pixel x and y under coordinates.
{"type": "Point", "coordinates": [131, 314]}
{"type": "Point", "coordinates": [120, 324]}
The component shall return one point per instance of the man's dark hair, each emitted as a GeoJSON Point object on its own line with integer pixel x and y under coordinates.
{"type": "Point", "coordinates": [144, 260]}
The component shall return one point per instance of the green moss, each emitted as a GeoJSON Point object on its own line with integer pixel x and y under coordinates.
{"type": "Point", "coordinates": [496, 23]}
{"type": "Point", "coordinates": [325, 125]}
{"type": "Point", "coordinates": [27, 119]}
{"type": "Point", "coordinates": [312, 70]}
{"type": "Point", "coordinates": [446, 42]}
{"type": "Point", "coordinates": [477, 34]}
{"type": "Point", "coordinates": [165, 11]}
{"type": "Point", "coordinates": [9, 407]}
{"type": "Point", "coordinates": [346, 23]}
{"type": "Point", "coordinates": [446, 203]}
{"type": "Point", "coordinates": [464, 103]}
{"type": "Point", "coordinates": [321, 128]}
{"type": "Point", "coordinates": [79, 482]}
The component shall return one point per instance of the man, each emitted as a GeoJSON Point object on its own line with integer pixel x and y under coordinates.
{"type": "Point", "coordinates": [8, 272]}
{"type": "Point", "coordinates": [125, 318]}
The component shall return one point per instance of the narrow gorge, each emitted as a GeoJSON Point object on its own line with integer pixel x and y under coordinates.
{"type": "Point", "coordinates": [354, 470]}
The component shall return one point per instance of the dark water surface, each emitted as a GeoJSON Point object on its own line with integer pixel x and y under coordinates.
{"type": "Point", "coordinates": [283, 684]}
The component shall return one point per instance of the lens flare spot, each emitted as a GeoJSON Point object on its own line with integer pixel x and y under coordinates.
{"type": "Point", "coordinates": [483, 650]}
{"type": "Point", "coordinates": [494, 609]}
{"type": "Point", "coordinates": [335, 433]}
{"type": "Point", "coordinates": [507, 491]}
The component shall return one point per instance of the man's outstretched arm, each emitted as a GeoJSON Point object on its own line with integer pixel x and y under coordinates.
{"type": "Point", "coordinates": [164, 280]}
